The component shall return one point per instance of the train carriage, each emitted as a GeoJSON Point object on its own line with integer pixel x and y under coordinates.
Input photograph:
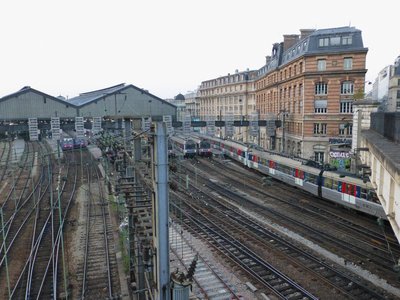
{"type": "Point", "coordinates": [79, 143]}
{"type": "Point", "coordinates": [67, 144]}
{"type": "Point", "coordinates": [184, 146]}
{"type": "Point", "coordinates": [348, 191]}
{"type": "Point", "coordinates": [203, 146]}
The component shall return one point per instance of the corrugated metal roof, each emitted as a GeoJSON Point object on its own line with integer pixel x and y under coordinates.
{"type": "Point", "coordinates": [95, 95]}
{"type": "Point", "coordinates": [27, 89]}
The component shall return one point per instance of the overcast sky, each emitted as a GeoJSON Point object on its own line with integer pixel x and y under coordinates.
{"type": "Point", "coordinates": [167, 47]}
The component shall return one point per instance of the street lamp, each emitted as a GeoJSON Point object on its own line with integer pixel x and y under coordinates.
{"type": "Point", "coordinates": [241, 119]}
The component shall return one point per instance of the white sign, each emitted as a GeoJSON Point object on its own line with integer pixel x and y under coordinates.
{"type": "Point", "coordinates": [210, 122]}
{"type": "Point", "coordinates": [254, 124]}
{"type": "Point", "coordinates": [229, 119]}
{"type": "Point", "coordinates": [33, 129]}
{"type": "Point", "coordinates": [55, 128]}
{"type": "Point", "coordinates": [168, 122]}
{"type": "Point", "coordinates": [270, 124]}
{"type": "Point", "coordinates": [187, 122]}
{"type": "Point", "coordinates": [146, 122]}
{"type": "Point", "coordinates": [79, 129]}
{"type": "Point", "coordinates": [96, 128]}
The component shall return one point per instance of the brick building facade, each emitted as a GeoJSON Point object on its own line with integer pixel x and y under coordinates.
{"type": "Point", "coordinates": [310, 82]}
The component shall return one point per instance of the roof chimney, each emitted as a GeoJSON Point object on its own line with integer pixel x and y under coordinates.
{"type": "Point", "coordinates": [267, 59]}
{"type": "Point", "coordinates": [289, 40]}
{"type": "Point", "coordinates": [305, 33]}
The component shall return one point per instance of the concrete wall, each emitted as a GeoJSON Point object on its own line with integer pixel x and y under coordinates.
{"type": "Point", "coordinates": [383, 157]}
{"type": "Point", "coordinates": [387, 125]}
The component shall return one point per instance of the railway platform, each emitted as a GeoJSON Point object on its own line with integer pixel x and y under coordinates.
{"type": "Point", "coordinates": [18, 147]}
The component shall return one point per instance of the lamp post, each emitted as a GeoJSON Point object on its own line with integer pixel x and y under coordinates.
{"type": "Point", "coordinates": [241, 119]}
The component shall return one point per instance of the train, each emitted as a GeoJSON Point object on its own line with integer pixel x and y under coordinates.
{"type": "Point", "coordinates": [182, 145]}
{"type": "Point", "coordinates": [345, 190]}
{"type": "Point", "coordinates": [79, 143]}
{"type": "Point", "coordinates": [189, 146]}
{"type": "Point", "coordinates": [67, 144]}
{"type": "Point", "coordinates": [203, 147]}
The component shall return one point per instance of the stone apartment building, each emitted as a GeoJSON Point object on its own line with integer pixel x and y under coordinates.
{"type": "Point", "coordinates": [234, 95]}
{"type": "Point", "coordinates": [310, 82]}
{"type": "Point", "coordinates": [192, 104]}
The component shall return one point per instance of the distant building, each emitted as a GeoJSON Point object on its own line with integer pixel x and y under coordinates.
{"type": "Point", "coordinates": [192, 104]}
{"type": "Point", "coordinates": [310, 82]}
{"type": "Point", "coordinates": [234, 95]}
{"type": "Point", "coordinates": [386, 87]}
{"type": "Point", "coordinates": [179, 102]}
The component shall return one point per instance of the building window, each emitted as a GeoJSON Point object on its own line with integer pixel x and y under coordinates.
{"type": "Point", "coordinates": [398, 94]}
{"type": "Point", "coordinates": [321, 88]}
{"type": "Point", "coordinates": [347, 40]}
{"type": "Point", "coordinates": [348, 63]}
{"type": "Point", "coordinates": [398, 105]}
{"type": "Point", "coordinates": [321, 65]}
{"type": "Point", "coordinates": [319, 157]}
{"type": "Point", "coordinates": [346, 129]}
{"type": "Point", "coordinates": [324, 42]}
{"type": "Point", "coordinates": [320, 106]}
{"type": "Point", "coordinates": [346, 106]}
{"type": "Point", "coordinates": [347, 88]}
{"type": "Point", "coordinates": [320, 128]}
{"type": "Point", "coordinates": [398, 82]}
{"type": "Point", "coordinates": [335, 41]}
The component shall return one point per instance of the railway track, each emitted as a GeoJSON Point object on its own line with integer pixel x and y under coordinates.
{"type": "Point", "coordinates": [43, 270]}
{"type": "Point", "coordinates": [208, 284]}
{"type": "Point", "coordinates": [315, 265]}
{"type": "Point", "coordinates": [99, 276]}
{"type": "Point", "coordinates": [268, 276]}
{"type": "Point", "coordinates": [4, 160]}
{"type": "Point", "coordinates": [359, 245]}
{"type": "Point", "coordinates": [320, 210]}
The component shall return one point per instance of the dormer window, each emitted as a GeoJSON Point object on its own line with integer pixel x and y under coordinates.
{"type": "Point", "coordinates": [347, 40]}
{"type": "Point", "coordinates": [324, 42]}
{"type": "Point", "coordinates": [335, 41]}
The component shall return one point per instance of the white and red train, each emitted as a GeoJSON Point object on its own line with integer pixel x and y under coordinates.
{"type": "Point", "coordinates": [188, 146]}
{"type": "Point", "coordinates": [348, 191]}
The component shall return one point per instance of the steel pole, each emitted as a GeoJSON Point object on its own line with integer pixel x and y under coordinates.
{"type": "Point", "coordinates": [161, 226]}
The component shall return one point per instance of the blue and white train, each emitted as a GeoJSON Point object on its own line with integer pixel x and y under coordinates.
{"type": "Point", "coordinates": [348, 191]}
